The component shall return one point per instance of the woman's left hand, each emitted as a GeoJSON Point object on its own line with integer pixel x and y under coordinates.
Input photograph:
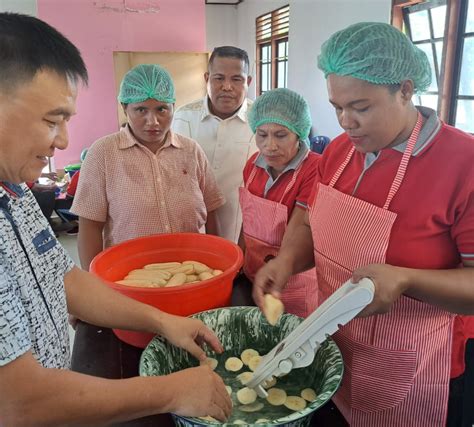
{"type": "Point", "coordinates": [190, 335]}
{"type": "Point", "coordinates": [390, 282]}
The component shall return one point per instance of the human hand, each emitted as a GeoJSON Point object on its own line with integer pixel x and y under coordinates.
{"type": "Point", "coordinates": [189, 334]}
{"type": "Point", "coordinates": [270, 279]}
{"type": "Point", "coordinates": [198, 392]}
{"type": "Point", "coordinates": [390, 282]}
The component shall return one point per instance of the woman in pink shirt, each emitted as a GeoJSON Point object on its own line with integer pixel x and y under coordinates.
{"type": "Point", "coordinates": [144, 179]}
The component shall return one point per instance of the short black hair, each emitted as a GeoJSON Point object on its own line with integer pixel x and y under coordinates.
{"type": "Point", "coordinates": [230, 52]}
{"type": "Point", "coordinates": [29, 45]}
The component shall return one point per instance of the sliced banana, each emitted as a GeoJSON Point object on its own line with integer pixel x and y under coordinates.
{"type": "Point", "coordinates": [308, 394]}
{"type": "Point", "coordinates": [217, 272]}
{"type": "Point", "coordinates": [247, 354]}
{"type": "Point", "coordinates": [211, 362]}
{"type": "Point", "coordinates": [178, 279]}
{"type": "Point", "coordinates": [262, 421]}
{"type": "Point", "coordinates": [245, 377]}
{"type": "Point", "coordinates": [295, 403]}
{"type": "Point", "coordinates": [276, 396]}
{"type": "Point", "coordinates": [138, 283]}
{"type": "Point", "coordinates": [252, 407]}
{"type": "Point", "coordinates": [254, 362]}
{"type": "Point", "coordinates": [190, 278]}
{"type": "Point", "coordinates": [273, 308]}
{"type": "Point", "coordinates": [229, 389]}
{"type": "Point", "coordinates": [233, 364]}
{"type": "Point", "coordinates": [241, 422]}
{"type": "Point", "coordinates": [247, 395]}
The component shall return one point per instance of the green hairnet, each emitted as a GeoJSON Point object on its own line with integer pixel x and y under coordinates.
{"type": "Point", "coordinates": [284, 107]}
{"type": "Point", "coordinates": [146, 81]}
{"type": "Point", "coordinates": [377, 53]}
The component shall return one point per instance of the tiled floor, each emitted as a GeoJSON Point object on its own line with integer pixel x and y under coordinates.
{"type": "Point", "coordinates": [70, 244]}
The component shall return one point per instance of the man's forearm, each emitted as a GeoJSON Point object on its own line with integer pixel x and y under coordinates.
{"type": "Point", "coordinates": [89, 299]}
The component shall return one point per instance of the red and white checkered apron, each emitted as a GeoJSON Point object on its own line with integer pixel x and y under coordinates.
{"type": "Point", "coordinates": [264, 224]}
{"type": "Point", "coordinates": [397, 364]}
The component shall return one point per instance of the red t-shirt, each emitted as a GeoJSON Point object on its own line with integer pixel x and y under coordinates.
{"type": "Point", "coordinates": [300, 191]}
{"type": "Point", "coordinates": [434, 228]}
{"type": "Point", "coordinates": [71, 188]}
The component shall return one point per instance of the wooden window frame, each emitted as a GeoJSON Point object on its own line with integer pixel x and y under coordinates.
{"type": "Point", "coordinates": [273, 39]}
{"type": "Point", "coordinates": [456, 12]}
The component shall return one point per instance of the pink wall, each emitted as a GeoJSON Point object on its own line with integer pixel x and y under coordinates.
{"type": "Point", "coordinates": [98, 28]}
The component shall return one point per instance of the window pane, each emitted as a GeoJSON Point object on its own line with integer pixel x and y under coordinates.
{"type": "Point", "coordinates": [265, 52]}
{"type": "Point", "coordinates": [438, 16]}
{"type": "Point", "coordinates": [282, 50]}
{"type": "Point", "coordinates": [466, 83]}
{"type": "Point", "coordinates": [265, 77]}
{"type": "Point", "coordinates": [464, 115]}
{"type": "Point", "coordinates": [470, 17]}
{"type": "Point", "coordinates": [430, 101]}
{"type": "Point", "coordinates": [439, 54]}
{"type": "Point", "coordinates": [426, 47]}
{"type": "Point", "coordinates": [419, 25]}
{"type": "Point", "coordinates": [282, 71]}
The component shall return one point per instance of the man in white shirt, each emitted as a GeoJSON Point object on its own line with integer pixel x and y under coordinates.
{"type": "Point", "coordinates": [218, 122]}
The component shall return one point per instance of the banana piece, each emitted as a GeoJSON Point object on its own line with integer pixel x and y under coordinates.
{"type": "Point", "coordinates": [140, 283]}
{"type": "Point", "coordinates": [247, 395]}
{"type": "Point", "coordinates": [295, 403]}
{"type": "Point", "coordinates": [252, 407]}
{"type": "Point", "coordinates": [245, 377]}
{"type": "Point", "coordinates": [217, 272]}
{"type": "Point", "coordinates": [157, 280]}
{"type": "Point", "coordinates": [206, 275]}
{"type": "Point", "coordinates": [262, 421]}
{"type": "Point", "coordinates": [276, 396]}
{"type": "Point", "coordinates": [229, 389]}
{"type": "Point", "coordinates": [186, 269]}
{"type": "Point", "coordinates": [254, 362]}
{"type": "Point", "coordinates": [211, 362]}
{"type": "Point", "coordinates": [269, 384]}
{"type": "Point", "coordinates": [199, 267]}
{"type": "Point", "coordinates": [162, 265]}
{"type": "Point", "coordinates": [177, 280]}
{"type": "Point", "coordinates": [308, 394]}
{"type": "Point", "coordinates": [162, 274]}
{"type": "Point", "coordinates": [241, 422]}
{"type": "Point", "coordinates": [190, 278]}
{"type": "Point", "coordinates": [247, 354]}
{"type": "Point", "coordinates": [272, 308]}
{"type": "Point", "coordinates": [233, 364]}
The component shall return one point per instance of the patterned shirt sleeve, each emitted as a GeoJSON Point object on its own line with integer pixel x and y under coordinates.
{"type": "Point", "coordinates": [14, 334]}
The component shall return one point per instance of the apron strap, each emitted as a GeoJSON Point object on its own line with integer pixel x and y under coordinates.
{"type": "Point", "coordinates": [404, 162]}
{"type": "Point", "coordinates": [401, 168]}
{"type": "Point", "coordinates": [341, 168]}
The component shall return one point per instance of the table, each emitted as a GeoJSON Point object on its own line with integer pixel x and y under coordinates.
{"type": "Point", "coordinates": [97, 351]}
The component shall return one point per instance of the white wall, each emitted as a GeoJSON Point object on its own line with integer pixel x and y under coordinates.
{"type": "Point", "coordinates": [311, 23]}
{"type": "Point", "coordinates": [27, 7]}
{"type": "Point", "coordinates": [221, 26]}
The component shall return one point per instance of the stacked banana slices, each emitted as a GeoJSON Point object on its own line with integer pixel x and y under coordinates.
{"type": "Point", "coordinates": [168, 274]}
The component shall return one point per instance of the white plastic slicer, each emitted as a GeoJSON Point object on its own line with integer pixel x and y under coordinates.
{"type": "Point", "coordinates": [298, 349]}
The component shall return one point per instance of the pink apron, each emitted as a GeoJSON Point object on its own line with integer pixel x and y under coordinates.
{"type": "Point", "coordinates": [264, 224]}
{"type": "Point", "coordinates": [397, 364]}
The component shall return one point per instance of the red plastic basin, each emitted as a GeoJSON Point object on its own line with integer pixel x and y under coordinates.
{"type": "Point", "coordinates": [114, 263]}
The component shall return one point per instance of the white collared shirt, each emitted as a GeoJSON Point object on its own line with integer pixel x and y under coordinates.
{"type": "Point", "coordinates": [228, 145]}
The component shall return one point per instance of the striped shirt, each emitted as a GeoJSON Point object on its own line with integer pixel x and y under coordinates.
{"type": "Point", "coordinates": [138, 193]}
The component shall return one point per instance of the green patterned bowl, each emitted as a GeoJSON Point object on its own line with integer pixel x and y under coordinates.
{"type": "Point", "coordinates": [240, 328]}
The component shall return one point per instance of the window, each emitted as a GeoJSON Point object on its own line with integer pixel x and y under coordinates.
{"type": "Point", "coordinates": [272, 49]}
{"type": "Point", "coordinates": [444, 30]}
